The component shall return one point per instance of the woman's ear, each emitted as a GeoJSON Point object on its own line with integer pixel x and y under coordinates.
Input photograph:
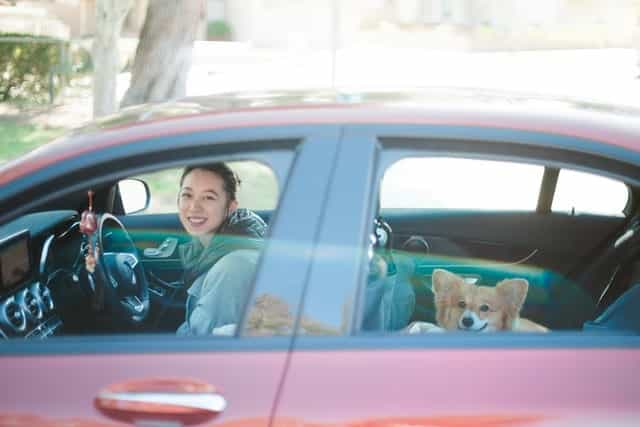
{"type": "Point", "coordinates": [233, 205]}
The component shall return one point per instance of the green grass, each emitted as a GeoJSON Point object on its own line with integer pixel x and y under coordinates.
{"type": "Point", "coordinates": [19, 138]}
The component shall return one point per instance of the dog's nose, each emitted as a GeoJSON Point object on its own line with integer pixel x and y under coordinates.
{"type": "Point", "coordinates": [467, 322]}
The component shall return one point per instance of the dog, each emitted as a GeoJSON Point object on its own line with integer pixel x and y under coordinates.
{"type": "Point", "coordinates": [467, 307]}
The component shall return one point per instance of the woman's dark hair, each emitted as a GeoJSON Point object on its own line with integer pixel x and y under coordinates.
{"type": "Point", "coordinates": [229, 177]}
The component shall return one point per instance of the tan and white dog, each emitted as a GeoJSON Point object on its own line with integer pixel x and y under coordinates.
{"type": "Point", "coordinates": [468, 307]}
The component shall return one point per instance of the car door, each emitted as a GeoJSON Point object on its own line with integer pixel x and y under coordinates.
{"type": "Point", "coordinates": [391, 378]}
{"type": "Point", "coordinates": [162, 379]}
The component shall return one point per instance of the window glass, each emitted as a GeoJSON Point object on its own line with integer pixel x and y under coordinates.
{"type": "Point", "coordinates": [186, 274]}
{"type": "Point", "coordinates": [579, 192]}
{"type": "Point", "coordinates": [453, 183]}
{"type": "Point", "coordinates": [258, 188]}
{"type": "Point", "coordinates": [492, 263]}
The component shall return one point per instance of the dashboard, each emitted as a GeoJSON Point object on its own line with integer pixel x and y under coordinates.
{"type": "Point", "coordinates": [30, 272]}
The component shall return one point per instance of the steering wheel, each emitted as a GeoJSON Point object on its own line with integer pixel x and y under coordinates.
{"type": "Point", "coordinates": [119, 285]}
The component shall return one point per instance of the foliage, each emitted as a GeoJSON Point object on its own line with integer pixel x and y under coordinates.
{"type": "Point", "coordinates": [81, 62]}
{"type": "Point", "coordinates": [218, 30]}
{"type": "Point", "coordinates": [31, 67]}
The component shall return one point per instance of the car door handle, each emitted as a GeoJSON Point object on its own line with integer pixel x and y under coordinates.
{"type": "Point", "coordinates": [181, 401]}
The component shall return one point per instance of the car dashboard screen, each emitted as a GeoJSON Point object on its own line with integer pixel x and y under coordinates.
{"type": "Point", "coordinates": [15, 262]}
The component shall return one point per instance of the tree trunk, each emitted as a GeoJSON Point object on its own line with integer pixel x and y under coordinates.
{"type": "Point", "coordinates": [163, 56]}
{"type": "Point", "coordinates": [110, 15]}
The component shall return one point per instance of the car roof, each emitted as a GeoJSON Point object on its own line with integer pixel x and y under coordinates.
{"type": "Point", "coordinates": [609, 124]}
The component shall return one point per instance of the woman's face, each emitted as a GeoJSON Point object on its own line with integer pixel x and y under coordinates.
{"type": "Point", "coordinates": [203, 204]}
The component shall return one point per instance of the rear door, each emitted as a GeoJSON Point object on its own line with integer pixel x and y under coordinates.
{"type": "Point", "coordinates": [389, 378]}
{"type": "Point", "coordinates": [157, 379]}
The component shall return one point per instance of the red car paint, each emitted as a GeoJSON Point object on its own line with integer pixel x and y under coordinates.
{"type": "Point", "coordinates": [231, 374]}
{"type": "Point", "coordinates": [609, 127]}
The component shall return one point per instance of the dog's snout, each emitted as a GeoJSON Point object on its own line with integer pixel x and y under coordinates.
{"type": "Point", "coordinates": [467, 322]}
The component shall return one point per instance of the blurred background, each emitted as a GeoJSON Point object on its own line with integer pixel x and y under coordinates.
{"type": "Point", "coordinates": [65, 62]}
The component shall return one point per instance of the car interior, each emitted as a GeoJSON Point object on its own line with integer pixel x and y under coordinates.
{"type": "Point", "coordinates": [581, 268]}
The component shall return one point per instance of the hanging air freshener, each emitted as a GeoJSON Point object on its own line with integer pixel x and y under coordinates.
{"type": "Point", "coordinates": [88, 226]}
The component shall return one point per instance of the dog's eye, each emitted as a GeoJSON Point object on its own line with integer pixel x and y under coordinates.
{"type": "Point", "coordinates": [484, 307]}
{"type": "Point", "coordinates": [462, 304]}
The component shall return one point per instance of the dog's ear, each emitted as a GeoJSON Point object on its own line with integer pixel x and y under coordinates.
{"type": "Point", "coordinates": [443, 281]}
{"type": "Point", "coordinates": [513, 292]}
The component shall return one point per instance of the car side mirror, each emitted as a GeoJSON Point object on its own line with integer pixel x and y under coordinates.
{"type": "Point", "coordinates": [134, 195]}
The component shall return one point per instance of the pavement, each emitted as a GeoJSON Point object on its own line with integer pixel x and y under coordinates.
{"type": "Point", "coordinates": [607, 75]}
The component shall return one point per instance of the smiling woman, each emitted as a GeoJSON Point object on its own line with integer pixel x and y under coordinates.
{"type": "Point", "coordinates": [221, 258]}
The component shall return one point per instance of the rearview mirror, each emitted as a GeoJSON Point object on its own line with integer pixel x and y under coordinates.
{"type": "Point", "coordinates": [134, 195]}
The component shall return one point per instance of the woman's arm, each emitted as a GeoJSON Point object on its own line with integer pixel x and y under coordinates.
{"type": "Point", "coordinates": [224, 292]}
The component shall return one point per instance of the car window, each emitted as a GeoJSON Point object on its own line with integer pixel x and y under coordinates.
{"type": "Point", "coordinates": [471, 251]}
{"type": "Point", "coordinates": [258, 187]}
{"type": "Point", "coordinates": [453, 183]}
{"type": "Point", "coordinates": [585, 193]}
{"type": "Point", "coordinates": [190, 273]}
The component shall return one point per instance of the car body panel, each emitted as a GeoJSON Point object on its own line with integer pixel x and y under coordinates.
{"type": "Point", "coordinates": [91, 364]}
{"type": "Point", "coordinates": [617, 127]}
{"type": "Point", "coordinates": [418, 377]}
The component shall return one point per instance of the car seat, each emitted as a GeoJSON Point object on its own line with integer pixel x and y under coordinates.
{"type": "Point", "coordinates": [605, 279]}
{"type": "Point", "coordinates": [622, 315]}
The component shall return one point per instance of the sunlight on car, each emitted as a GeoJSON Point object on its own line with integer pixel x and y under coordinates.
{"type": "Point", "coordinates": [449, 183]}
{"type": "Point", "coordinates": [580, 192]}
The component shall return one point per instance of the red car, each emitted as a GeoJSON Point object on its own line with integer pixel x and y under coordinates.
{"type": "Point", "coordinates": [370, 199]}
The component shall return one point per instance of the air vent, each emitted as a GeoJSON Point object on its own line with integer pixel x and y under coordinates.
{"type": "Point", "coordinates": [46, 302]}
{"type": "Point", "coordinates": [14, 315]}
{"type": "Point", "coordinates": [31, 304]}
